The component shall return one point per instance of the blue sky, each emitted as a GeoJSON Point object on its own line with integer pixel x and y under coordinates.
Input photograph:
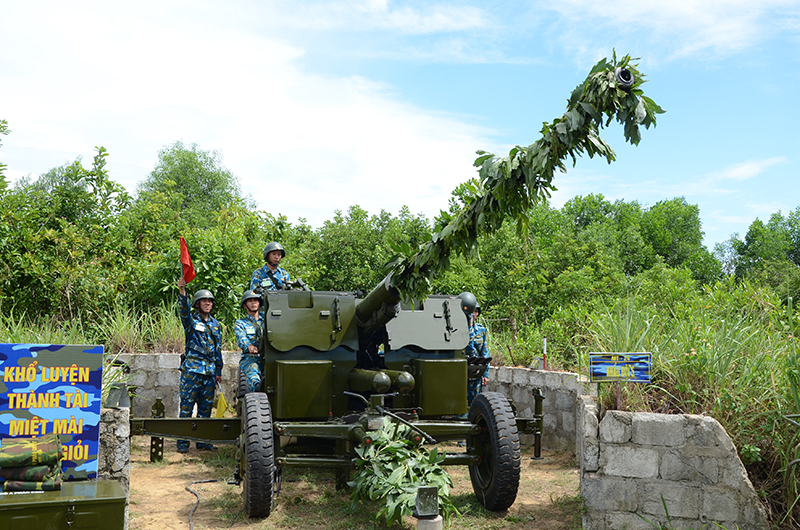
{"type": "Point", "coordinates": [317, 106]}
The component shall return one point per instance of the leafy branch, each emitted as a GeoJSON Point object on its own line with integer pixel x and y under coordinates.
{"type": "Point", "coordinates": [507, 187]}
{"type": "Point", "coordinates": [392, 468]}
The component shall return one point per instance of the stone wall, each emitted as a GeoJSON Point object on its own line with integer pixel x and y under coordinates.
{"type": "Point", "coordinates": [561, 391]}
{"type": "Point", "coordinates": [158, 375]}
{"type": "Point", "coordinates": [114, 453]}
{"type": "Point", "coordinates": [640, 463]}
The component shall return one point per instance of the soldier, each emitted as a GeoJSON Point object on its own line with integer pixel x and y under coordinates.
{"type": "Point", "coordinates": [271, 276]}
{"type": "Point", "coordinates": [478, 343]}
{"type": "Point", "coordinates": [201, 367]}
{"type": "Point", "coordinates": [248, 332]}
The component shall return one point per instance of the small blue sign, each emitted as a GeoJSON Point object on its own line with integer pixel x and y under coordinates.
{"type": "Point", "coordinates": [625, 367]}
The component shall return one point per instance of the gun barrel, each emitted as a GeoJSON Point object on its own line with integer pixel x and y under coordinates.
{"type": "Point", "coordinates": [379, 307]}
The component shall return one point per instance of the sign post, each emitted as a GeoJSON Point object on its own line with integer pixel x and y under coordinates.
{"type": "Point", "coordinates": [619, 367]}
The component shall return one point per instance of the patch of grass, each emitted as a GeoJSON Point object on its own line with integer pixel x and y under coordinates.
{"type": "Point", "coordinates": [571, 506]}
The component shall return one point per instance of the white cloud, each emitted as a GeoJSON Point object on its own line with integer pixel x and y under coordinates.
{"type": "Point", "coordinates": [371, 15]}
{"type": "Point", "coordinates": [683, 27]}
{"type": "Point", "coordinates": [303, 144]}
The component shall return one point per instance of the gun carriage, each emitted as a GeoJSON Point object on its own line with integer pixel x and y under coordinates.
{"type": "Point", "coordinates": [334, 365]}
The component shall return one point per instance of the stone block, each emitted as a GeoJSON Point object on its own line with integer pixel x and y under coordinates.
{"type": "Point", "coordinates": [504, 374]}
{"type": "Point", "coordinates": [145, 361]}
{"type": "Point", "coordinates": [553, 380]}
{"type": "Point", "coordinates": [519, 376]}
{"type": "Point", "coordinates": [591, 456]}
{"type": "Point", "coordinates": [616, 427]}
{"type": "Point", "coordinates": [168, 379]}
{"type": "Point", "coordinates": [675, 466]}
{"type": "Point", "coordinates": [720, 505]}
{"type": "Point", "coordinates": [570, 383]}
{"type": "Point", "coordinates": [521, 396]}
{"type": "Point", "coordinates": [138, 379]}
{"type": "Point", "coordinates": [169, 361]}
{"type": "Point", "coordinates": [658, 429]}
{"type": "Point", "coordinates": [564, 400]}
{"type": "Point", "coordinates": [681, 501]}
{"type": "Point", "coordinates": [568, 423]}
{"type": "Point", "coordinates": [701, 431]}
{"type": "Point", "coordinates": [626, 521]}
{"type": "Point", "coordinates": [627, 461]}
{"type": "Point", "coordinates": [536, 378]}
{"type": "Point", "coordinates": [609, 494]}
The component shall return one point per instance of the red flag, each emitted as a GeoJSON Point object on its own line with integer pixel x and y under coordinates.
{"type": "Point", "coordinates": [186, 262]}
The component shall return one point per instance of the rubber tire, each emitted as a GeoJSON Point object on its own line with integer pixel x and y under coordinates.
{"type": "Point", "coordinates": [258, 465]}
{"type": "Point", "coordinates": [242, 389]}
{"type": "Point", "coordinates": [495, 480]}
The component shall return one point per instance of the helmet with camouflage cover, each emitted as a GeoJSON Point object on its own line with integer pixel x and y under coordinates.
{"type": "Point", "coordinates": [272, 246]}
{"type": "Point", "coordinates": [200, 295]}
{"type": "Point", "coordinates": [468, 302]}
{"type": "Point", "coordinates": [249, 295]}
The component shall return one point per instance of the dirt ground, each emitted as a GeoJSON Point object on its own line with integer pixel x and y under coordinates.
{"type": "Point", "coordinates": [547, 500]}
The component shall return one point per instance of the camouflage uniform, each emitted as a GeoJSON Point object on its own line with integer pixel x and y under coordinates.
{"type": "Point", "coordinates": [248, 332]}
{"type": "Point", "coordinates": [478, 347]}
{"type": "Point", "coordinates": [261, 278]}
{"type": "Point", "coordinates": [202, 365]}
{"type": "Point", "coordinates": [44, 450]}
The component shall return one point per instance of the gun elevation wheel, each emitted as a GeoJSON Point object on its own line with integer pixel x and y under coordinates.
{"type": "Point", "coordinates": [495, 479]}
{"type": "Point", "coordinates": [258, 458]}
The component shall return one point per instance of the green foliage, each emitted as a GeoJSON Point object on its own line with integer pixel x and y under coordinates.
{"type": "Point", "coordinates": [510, 186]}
{"type": "Point", "coordinates": [195, 181]}
{"type": "Point", "coordinates": [349, 252]}
{"type": "Point", "coordinates": [56, 241]}
{"type": "Point", "coordinates": [392, 468]}
{"type": "Point", "coordinates": [3, 130]}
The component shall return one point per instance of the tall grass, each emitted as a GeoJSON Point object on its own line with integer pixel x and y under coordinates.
{"type": "Point", "coordinates": [723, 352]}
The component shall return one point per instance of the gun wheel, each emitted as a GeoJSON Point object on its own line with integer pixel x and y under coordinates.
{"type": "Point", "coordinates": [241, 391]}
{"type": "Point", "coordinates": [495, 479]}
{"type": "Point", "coordinates": [258, 464]}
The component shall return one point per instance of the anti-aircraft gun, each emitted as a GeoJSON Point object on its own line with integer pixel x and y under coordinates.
{"type": "Point", "coordinates": [334, 364]}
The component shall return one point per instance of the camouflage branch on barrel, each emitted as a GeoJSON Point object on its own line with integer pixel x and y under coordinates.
{"type": "Point", "coordinates": [508, 187]}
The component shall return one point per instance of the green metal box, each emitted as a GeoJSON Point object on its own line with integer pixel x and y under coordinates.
{"type": "Point", "coordinates": [81, 504]}
{"type": "Point", "coordinates": [441, 386]}
{"type": "Point", "coordinates": [304, 389]}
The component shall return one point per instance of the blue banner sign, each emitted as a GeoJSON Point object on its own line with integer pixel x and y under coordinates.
{"type": "Point", "coordinates": [626, 367]}
{"type": "Point", "coordinates": [54, 389]}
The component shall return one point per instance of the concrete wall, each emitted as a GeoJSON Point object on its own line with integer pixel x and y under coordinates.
{"type": "Point", "coordinates": [561, 391]}
{"type": "Point", "coordinates": [638, 463]}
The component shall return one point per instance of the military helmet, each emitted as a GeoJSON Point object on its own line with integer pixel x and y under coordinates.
{"type": "Point", "coordinates": [468, 302]}
{"type": "Point", "coordinates": [249, 295]}
{"type": "Point", "coordinates": [274, 245]}
{"type": "Point", "coordinates": [199, 295]}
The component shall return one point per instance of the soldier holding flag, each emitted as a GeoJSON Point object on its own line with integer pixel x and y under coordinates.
{"type": "Point", "coordinates": [201, 367]}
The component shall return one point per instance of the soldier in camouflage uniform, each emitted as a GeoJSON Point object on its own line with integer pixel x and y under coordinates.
{"type": "Point", "coordinates": [201, 368]}
{"type": "Point", "coordinates": [478, 343]}
{"type": "Point", "coordinates": [271, 276]}
{"type": "Point", "coordinates": [248, 332]}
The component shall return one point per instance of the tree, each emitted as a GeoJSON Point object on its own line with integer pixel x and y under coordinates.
{"type": "Point", "coordinates": [195, 180]}
{"type": "Point", "coordinates": [673, 229]}
{"type": "Point", "coordinates": [57, 246]}
{"type": "Point", "coordinates": [763, 242]}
